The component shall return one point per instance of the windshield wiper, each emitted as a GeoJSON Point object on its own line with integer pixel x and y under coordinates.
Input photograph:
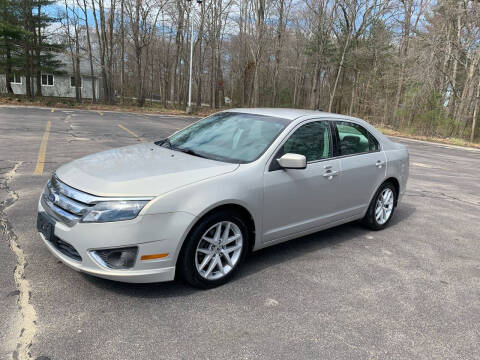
{"type": "Point", "coordinates": [167, 142]}
{"type": "Point", "coordinates": [190, 152]}
{"type": "Point", "coordinates": [163, 142]}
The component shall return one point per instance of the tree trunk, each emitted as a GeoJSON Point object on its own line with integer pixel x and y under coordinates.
{"type": "Point", "coordinates": [27, 10]}
{"type": "Point", "coordinates": [37, 39]}
{"type": "Point", "coordinates": [403, 54]}
{"type": "Point", "coordinates": [178, 43]}
{"type": "Point", "coordinates": [122, 60]}
{"type": "Point", "coordinates": [352, 99]}
{"type": "Point", "coordinates": [259, 35]}
{"type": "Point", "coordinates": [340, 66]}
{"type": "Point", "coordinates": [101, 45]}
{"type": "Point", "coordinates": [78, 78]}
{"type": "Point", "coordinates": [315, 83]}
{"type": "Point", "coordinates": [278, 52]}
{"type": "Point", "coordinates": [475, 113]}
{"type": "Point", "coordinates": [8, 72]}
{"type": "Point", "coordinates": [453, 101]}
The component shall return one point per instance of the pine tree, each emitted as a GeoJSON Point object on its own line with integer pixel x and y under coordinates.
{"type": "Point", "coordinates": [12, 57]}
{"type": "Point", "coordinates": [43, 50]}
{"type": "Point", "coordinates": [40, 52]}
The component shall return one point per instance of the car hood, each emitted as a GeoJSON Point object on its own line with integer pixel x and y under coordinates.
{"type": "Point", "coordinates": [139, 170]}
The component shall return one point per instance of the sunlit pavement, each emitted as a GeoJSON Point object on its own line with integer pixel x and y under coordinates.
{"type": "Point", "coordinates": [410, 291]}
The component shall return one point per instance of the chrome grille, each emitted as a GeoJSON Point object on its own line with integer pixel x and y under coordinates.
{"type": "Point", "coordinates": [65, 203]}
{"type": "Point", "coordinates": [68, 205]}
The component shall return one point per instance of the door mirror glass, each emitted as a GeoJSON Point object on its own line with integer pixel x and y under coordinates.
{"type": "Point", "coordinates": [293, 161]}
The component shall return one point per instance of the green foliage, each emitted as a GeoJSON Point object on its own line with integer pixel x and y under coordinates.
{"type": "Point", "coordinates": [430, 117]}
{"type": "Point", "coordinates": [12, 35]}
{"type": "Point", "coordinates": [22, 39]}
{"type": "Point", "coordinates": [44, 51]}
{"type": "Point", "coordinates": [285, 98]}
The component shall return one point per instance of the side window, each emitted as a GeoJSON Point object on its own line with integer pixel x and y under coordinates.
{"type": "Point", "coordinates": [354, 139]}
{"type": "Point", "coordinates": [47, 80]}
{"type": "Point", "coordinates": [72, 81]}
{"type": "Point", "coordinates": [311, 140]}
{"type": "Point", "coordinates": [16, 79]}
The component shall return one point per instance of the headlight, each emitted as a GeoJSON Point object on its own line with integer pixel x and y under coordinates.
{"type": "Point", "coordinates": [114, 211]}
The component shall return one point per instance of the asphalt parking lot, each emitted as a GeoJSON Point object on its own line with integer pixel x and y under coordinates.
{"type": "Point", "coordinates": [411, 291]}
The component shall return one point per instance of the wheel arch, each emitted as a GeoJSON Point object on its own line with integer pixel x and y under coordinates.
{"type": "Point", "coordinates": [240, 209]}
{"type": "Point", "coordinates": [396, 184]}
{"type": "Point", "coordinates": [392, 180]}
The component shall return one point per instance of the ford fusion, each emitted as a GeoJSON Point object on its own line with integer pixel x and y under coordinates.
{"type": "Point", "coordinates": [196, 203]}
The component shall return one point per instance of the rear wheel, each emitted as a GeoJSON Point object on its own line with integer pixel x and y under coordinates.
{"type": "Point", "coordinates": [214, 249]}
{"type": "Point", "coordinates": [381, 209]}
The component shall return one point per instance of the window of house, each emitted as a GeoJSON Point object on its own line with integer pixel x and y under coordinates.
{"type": "Point", "coordinates": [16, 79]}
{"type": "Point", "coordinates": [47, 80]}
{"type": "Point", "coordinates": [72, 81]}
{"type": "Point", "coordinates": [355, 139]}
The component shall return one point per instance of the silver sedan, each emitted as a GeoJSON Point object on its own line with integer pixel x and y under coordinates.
{"type": "Point", "coordinates": [196, 203]}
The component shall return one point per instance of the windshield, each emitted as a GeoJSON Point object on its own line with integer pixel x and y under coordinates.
{"type": "Point", "coordinates": [229, 136]}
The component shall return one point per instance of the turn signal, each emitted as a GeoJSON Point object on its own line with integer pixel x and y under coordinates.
{"type": "Point", "coordinates": [153, 256]}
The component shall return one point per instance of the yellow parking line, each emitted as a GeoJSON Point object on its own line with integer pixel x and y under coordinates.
{"type": "Point", "coordinates": [139, 138]}
{"type": "Point", "coordinates": [42, 151]}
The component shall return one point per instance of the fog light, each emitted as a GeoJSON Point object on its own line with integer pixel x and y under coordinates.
{"type": "Point", "coordinates": [120, 258]}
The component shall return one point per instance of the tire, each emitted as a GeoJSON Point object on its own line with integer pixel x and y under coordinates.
{"type": "Point", "coordinates": [375, 221]}
{"type": "Point", "coordinates": [194, 253]}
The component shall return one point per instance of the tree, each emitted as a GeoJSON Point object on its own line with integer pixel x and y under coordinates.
{"type": "Point", "coordinates": [142, 18]}
{"type": "Point", "coordinates": [12, 58]}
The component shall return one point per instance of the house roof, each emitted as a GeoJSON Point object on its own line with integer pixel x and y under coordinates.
{"type": "Point", "coordinates": [66, 59]}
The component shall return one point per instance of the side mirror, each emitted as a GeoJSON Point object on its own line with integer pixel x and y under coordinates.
{"type": "Point", "coordinates": [293, 161]}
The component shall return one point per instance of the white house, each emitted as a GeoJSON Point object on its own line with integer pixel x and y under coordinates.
{"type": "Point", "coordinates": [60, 85]}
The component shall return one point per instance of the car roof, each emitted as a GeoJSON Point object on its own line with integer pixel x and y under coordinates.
{"type": "Point", "coordinates": [303, 114]}
{"type": "Point", "coordinates": [289, 114]}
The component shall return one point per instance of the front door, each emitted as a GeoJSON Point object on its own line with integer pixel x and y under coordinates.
{"type": "Point", "coordinates": [298, 200]}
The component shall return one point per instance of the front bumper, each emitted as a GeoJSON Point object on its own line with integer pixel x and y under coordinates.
{"type": "Point", "coordinates": [152, 234]}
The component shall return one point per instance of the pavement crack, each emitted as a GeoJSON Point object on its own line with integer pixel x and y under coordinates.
{"type": "Point", "coordinates": [440, 195]}
{"type": "Point", "coordinates": [28, 314]}
{"type": "Point", "coordinates": [70, 131]}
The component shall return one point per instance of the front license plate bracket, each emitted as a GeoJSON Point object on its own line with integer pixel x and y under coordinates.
{"type": "Point", "coordinates": [45, 226]}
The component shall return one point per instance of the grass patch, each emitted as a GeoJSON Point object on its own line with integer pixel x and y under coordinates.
{"type": "Point", "coordinates": [409, 135]}
{"type": "Point", "coordinates": [129, 106]}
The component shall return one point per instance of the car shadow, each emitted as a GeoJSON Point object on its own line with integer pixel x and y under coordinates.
{"type": "Point", "coordinates": [329, 238]}
{"type": "Point", "coordinates": [333, 237]}
{"type": "Point", "coordinates": [150, 290]}
{"type": "Point", "coordinates": [256, 261]}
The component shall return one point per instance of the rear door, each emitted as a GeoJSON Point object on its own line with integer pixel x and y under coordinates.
{"type": "Point", "coordinates": [363, 165]}
{"type": "Point", "coordinates": [298, 200]}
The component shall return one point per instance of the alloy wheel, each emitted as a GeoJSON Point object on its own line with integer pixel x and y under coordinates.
{"type": "Point", "coordinates": [384, 206]}
{"type": "Point", "coordinates": [219, 250]}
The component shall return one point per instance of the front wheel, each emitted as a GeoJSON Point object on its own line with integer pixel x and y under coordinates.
{"type": "Point", "coordinates": [381, 209]}
{"type": "Point", "coordinates": [214, 250]}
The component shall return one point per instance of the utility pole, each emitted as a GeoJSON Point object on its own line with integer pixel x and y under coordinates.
{"type": "Point", "coordinates": [189, 106]}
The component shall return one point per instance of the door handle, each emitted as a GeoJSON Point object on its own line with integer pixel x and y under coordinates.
{"type": "Point", "coordinates": [379, 164]}
{"type": "Point", "coordinates": [330, 174]}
